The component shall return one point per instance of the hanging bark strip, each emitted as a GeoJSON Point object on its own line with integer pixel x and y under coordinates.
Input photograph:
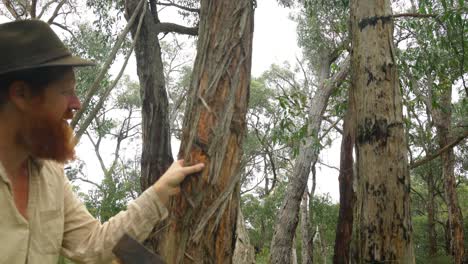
{"type": "Point", "coordinates": [202, 222]}
{"type": "Point", "coordinates": [382, 231]}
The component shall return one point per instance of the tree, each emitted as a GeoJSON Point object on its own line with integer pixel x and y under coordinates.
{"type": "Point", "coordinates": [383, 231]}
{"type": "Point", "coordinates": [202, 221]}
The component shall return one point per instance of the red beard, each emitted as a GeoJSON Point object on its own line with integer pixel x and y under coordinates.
{"type": "Point", "coordinates": [46, 138]}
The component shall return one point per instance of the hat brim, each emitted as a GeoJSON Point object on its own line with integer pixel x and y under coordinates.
{"type": "Point", "coordinates": [72, 61]}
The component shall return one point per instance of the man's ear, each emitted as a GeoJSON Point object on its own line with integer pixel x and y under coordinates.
{"type": "Point", "coordinates": [20, 94]}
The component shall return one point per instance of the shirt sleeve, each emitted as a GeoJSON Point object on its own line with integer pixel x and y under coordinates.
{"type": "Point", "coordinates": [86, 240]}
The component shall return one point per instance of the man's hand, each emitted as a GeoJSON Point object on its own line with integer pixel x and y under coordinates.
{"type": "Point", "coordinates": [169, 184]}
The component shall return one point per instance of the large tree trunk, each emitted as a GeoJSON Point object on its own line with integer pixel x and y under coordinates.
{"type": "Point", "coordinates": [202, 221]}
{"type": "Point", "coordinates": [344, 228]}
{"type": "Point", "coordinates": [286, 223]}
{"type": "Point", "coordinates": [383, 221]}
{"type": "Point", "coordinates": [443, 120]}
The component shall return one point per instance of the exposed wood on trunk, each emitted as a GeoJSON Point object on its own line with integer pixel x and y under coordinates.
{"type": "Point", "coordinates": [383, 231]}
{"type": "Point", "coordinates": [344, 228]}
{"type": "Point", "coordinates": [202, 221]}
{"type": "Point", "coordinates": [289, 213]}
{"type": "Point", "coordinates": [244, 253]}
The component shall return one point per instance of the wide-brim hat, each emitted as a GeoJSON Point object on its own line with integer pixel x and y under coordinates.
{"type": "Point", "coordinates": [29, 44]}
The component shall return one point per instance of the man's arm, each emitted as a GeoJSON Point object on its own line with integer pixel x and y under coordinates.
{"type": "Point", "coordinates": [87, 240]}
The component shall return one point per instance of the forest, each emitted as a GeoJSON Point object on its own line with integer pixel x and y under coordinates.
{"type": "Point", "coordinates": [385, 81]}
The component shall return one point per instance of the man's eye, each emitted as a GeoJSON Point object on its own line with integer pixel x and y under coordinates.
{"type": "Point", "coordinates": [68, 92]}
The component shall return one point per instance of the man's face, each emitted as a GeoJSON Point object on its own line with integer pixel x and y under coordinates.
{"type": "Point", "coordinates": [45, 131]}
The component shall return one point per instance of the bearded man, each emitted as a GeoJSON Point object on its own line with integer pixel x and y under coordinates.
{"type": "Point", "coordinates": [41, 218]}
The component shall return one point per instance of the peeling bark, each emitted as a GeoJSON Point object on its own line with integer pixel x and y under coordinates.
{"type": "Point", "coordinates": [202, 220]}
{"type": "Point", "coordinates": [244, 252]}
{"type": "Point", "coordinates": [383, 231]}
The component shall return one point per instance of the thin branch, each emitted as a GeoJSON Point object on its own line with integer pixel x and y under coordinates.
{"type": "Point", "coordinates": [440, 151]}
{"type": "Point", "coordinates": [329, 166]}
{"type": "Point", "coordinates": [194, 10]}
{"type": "Point", "coordinates": [88, 181]}
{"type": "Point", "coordinates": [45, 8]}
{"type": "Point", "coordinates": [332, 125]}
{"type": "Point", "coordinates": [95, 86]}
{"type": "Point", "coordinates": [416, 15]}
{"type": "Point", "coordinates": [9, 6]}
{"type": "Point", "coordinates": [64, 28]}
{"type": "Point", "coordinates": [56, 12]}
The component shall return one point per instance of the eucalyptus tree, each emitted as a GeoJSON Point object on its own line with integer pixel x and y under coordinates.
{"type": "Point", "coordinates": [383, 231]}
{"type": "Point", "coordinates": [324, 43]}
{"type": "Point", "coordinates": [202, 221]}
{"type": "Point", "coordinates": [434, 62]}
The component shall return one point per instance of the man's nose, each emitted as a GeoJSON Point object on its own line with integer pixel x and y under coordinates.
{"type": "Point", "coordinates": [74, 103]}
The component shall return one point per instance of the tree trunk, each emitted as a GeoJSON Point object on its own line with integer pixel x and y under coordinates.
{"type": "Point", "coordinates": [344, 228]}
{"type": "Point", "coordinates": [305, 231]}
{"type": "Point", "coordinates": [432, 235]}
{"type": "Point", "coordinates": [294, 253]}
{"type": "Point", "coordinates": [244, 252]}
{"type": "Point", "coordinates": [288, 216]}
{"type": "Point", "coordinates": [443, 120]}
{"type": "Point", "coordinates": [156, 153]}
{"type": "Point", "coordinates": [202, 220]}
{"type": "Point", "coordinates": [383, 221]}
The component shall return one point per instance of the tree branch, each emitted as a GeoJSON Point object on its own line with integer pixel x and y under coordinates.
{"type": "Point", "coordinates": [171, 27]}
{"type": "Point", "coordinates": [439, 152]}
{"type": "Point", "coordinates": [9, 6]}
{"type": "Point", "coordinates": [90, 182]}
{"type": "Point", "coordinates": [33, 8]}
{"type": "Point", "coordinates": [95, 86]}
{"type": "Point", "coordinates": [64, 28]}
{"type": "Point", "coordinates": [194, 10]}
{"type": "Point", "coordinates": [44, 8]}
{"type": "Point", "coordinates": [416, 15]}
{"type": "Point", "coordinates": [56, 12]}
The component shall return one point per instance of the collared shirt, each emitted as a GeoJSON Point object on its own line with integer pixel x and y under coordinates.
{"type": "Point", "coordinates": [59, 223]}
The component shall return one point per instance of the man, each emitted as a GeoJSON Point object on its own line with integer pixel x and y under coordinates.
{"type": "Point", "coordinates": [41, 217]}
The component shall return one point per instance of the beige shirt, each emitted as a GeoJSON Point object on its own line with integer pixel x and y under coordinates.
{"type": "Point", "coordinates": [60, 224]}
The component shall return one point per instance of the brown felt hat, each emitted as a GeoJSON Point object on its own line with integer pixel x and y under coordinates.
{"type": "Point", "coordinates": [29, 44]}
